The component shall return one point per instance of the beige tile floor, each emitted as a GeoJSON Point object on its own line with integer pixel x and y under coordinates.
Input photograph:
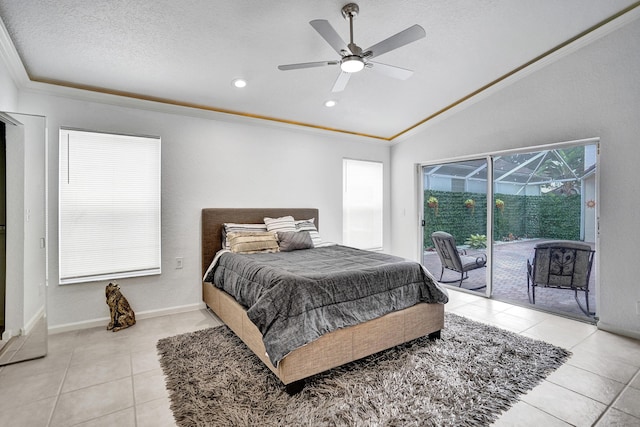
{"type": "Point", "coordinates": [97, 378]}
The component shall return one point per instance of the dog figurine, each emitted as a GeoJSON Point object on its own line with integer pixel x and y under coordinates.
{"type": "Point", "coordinates": [122, 316]}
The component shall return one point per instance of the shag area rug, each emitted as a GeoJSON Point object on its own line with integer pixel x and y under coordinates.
{"type": "Point", "coordinates": [467, 378]}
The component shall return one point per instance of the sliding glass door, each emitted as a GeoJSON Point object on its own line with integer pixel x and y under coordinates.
{"type": "Point", "coordinates": [545, 195]}
{"type": "Point", "coordinates": [483, 217]}
{"type": "Point", "coordinates": [455, 223]}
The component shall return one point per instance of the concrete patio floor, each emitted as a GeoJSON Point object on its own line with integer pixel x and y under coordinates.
{"type": "Point", "coordinates": [510, 280]}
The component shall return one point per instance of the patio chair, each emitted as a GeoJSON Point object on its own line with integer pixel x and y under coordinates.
{"type": "Point", "coordinates": [561, 264]}
{"type": "Point", "coordinates": [454, 259]}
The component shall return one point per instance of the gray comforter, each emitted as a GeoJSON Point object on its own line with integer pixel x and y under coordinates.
{"type": "Point", "coordinates": [295, 297]}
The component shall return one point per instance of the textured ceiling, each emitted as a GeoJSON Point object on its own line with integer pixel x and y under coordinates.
{"type": "Point", "coordinates": [189, 51]}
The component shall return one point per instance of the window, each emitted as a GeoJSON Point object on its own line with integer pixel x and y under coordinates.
{"type": "Point", "coordinates": [109, 206]}
{"type": "Point", "coordinates": [362, 204]}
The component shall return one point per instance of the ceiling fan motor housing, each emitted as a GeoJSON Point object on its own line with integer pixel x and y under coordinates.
{"type": "Point", "coordinates": [350, 10]}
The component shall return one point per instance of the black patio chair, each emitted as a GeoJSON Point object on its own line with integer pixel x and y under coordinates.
{"type": "Point", "coordinates": [561, 264]}
{"type": "Point", "coordinates": [454, 259]}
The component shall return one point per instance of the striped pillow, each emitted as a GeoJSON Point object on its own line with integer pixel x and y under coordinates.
{"type": "Point", "coordinates": [282, 224]}
{"type": "Point", "coordinates": [231, 227]}
{"type": "Point", "coordinates": [308, 225]}
{"type": "Point", "coordinates": [251, 243]}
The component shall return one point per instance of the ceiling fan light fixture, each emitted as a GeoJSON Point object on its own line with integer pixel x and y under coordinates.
{"type": "Point", "coordinates": [351, 64]}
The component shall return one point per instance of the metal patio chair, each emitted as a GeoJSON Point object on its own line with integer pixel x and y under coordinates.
{"type": "Point", "coordinates": [454, 259]}
{"type": "Point", "coordinates": [561, 264]}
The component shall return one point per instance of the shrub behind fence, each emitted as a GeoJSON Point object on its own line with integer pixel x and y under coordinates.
{"type": "Point", "coordinates": [546, 216]}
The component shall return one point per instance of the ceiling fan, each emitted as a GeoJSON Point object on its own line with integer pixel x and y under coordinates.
{"type": "Point", "coordinates": [353, 58]}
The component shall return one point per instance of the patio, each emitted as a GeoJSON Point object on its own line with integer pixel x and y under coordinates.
{"type": "Point", "coordinates": [510, 280]}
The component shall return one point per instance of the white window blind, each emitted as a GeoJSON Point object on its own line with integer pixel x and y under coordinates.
{"type": "Point", "coordinates": [362, 204]}
{"type": "Point", "coordinates": [109, 206]}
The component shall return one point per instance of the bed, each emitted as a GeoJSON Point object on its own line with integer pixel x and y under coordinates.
{"type": "Point", "coordinates": [329, 350]}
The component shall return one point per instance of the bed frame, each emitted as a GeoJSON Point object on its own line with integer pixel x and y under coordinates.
{"type": "Point", "coordinates": [330, 350]}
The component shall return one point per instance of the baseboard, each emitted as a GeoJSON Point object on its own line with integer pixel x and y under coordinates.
{"type": "Point", "coordinates": [618, 331]}
{"type": "Point", "coordinates": [33, 321]}
{"type": "Point", "coordinates": [103, 321]}
{"type": "Point", "coordinates": [9, 333]}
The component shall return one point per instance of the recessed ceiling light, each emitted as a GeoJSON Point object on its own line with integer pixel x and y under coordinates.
{"type": "Point", "coordinates": [239, 83]}
{"type": "Point", "coordinates": [330, 103]}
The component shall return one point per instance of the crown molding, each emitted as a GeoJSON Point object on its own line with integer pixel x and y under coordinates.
{"type": "Point", "coordinates": [169, 106]}
{"type": "Point", "coordinates": [585, 38]}
{"type": "Point", "coordinates": [16, 68]}
{"type": "Point", "coordinates": [10, 57]}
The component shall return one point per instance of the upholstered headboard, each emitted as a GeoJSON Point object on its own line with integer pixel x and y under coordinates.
{"type": "Point", "coordinates": [213, 218]}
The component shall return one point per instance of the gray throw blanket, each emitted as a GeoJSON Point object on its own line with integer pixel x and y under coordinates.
{"type": "Point", "coordinates": [295, 297]}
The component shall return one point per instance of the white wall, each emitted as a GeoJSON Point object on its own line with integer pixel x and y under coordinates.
{"type": "Point", "coordinates": [593, 92]}
{"type": "Point", "coordinates": [8, 90]}
{"type": "Point", "coordinates": [205, 163]}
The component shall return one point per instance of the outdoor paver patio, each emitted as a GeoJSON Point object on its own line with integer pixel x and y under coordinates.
{"type": "Point", "coordinates": [510, 280]}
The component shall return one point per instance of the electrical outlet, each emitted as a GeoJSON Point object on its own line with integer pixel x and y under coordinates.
{"type": "Point", "coordinates": [179, 263]}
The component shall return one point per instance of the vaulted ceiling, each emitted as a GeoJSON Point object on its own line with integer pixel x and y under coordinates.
{"type": "Point", "coordinates": [188, 52]}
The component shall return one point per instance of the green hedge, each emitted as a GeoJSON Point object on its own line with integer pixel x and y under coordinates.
{"type": "Point", "coordinates": [546, 216]}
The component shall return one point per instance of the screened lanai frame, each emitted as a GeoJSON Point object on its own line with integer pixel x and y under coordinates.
{"type": "Point", "coordinates": [525, 174]}
{"type": "Point", "coordinates": [530, 171]}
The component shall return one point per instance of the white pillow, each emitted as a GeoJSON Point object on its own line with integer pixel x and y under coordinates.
{"type": "Point", "coordinates": [308, 225]}
{"type": "Point", "coordinates": [282, 224]}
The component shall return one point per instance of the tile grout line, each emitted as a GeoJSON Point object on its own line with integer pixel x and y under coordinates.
{"type": "Point", "coordinates": [617, 396]}
{"type": "Point", "coordinates": [209, 314]}
{"type": "Point", "coordinates": [521, 333]}
{"type": "Point", "coordinates": [615, 399]}
{"type": "Point", "coordinates": [133, 392]}
{"type": "Point", "coordinates": [60, 393]}
{"type": "Point", "coordinates": [548, 413]}
{"type": "Point", "coordinates": [130, 376]}
{"type": "Point", "coordinates": [55, 405]}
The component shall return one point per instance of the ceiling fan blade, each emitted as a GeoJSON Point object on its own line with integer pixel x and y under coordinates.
{"type": "Point", "coordinates": [327, 32]}
{"type": "Point", "coordinates": [391, 70]}
{"type": "Point", "coordinates": [411, 34]}
{"type": "Point", "coordinates": [306, 65]}
{"type": "Point", "coordinates": [341, 82]}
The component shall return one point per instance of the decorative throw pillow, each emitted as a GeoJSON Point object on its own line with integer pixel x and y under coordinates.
{"type": "Point", "coordinates": [284, 223]}
{"type": "Point", "coordinates": [251, 243]}
{"type": "Point", "coordinates": [294, 240]}
{"type": "Point", "coordinates": [311, 220]}
{"type": "Point", "coordinates": [308, 226]}
{"type": "Point", "coordinates": [231, 227]}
